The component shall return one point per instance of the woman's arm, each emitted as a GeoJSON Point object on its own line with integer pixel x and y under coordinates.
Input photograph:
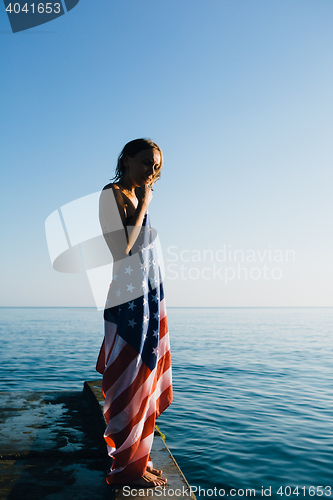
{"type": "Point", "coordinates": [132, 223]}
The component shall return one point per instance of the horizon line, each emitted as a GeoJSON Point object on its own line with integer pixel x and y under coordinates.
{"type": "Point", "coordinates": [174, 307]}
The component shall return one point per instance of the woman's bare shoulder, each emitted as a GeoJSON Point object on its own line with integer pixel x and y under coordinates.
{"type": "Point", "coordinates": [117, 192]}
{"type": "Point", "coordinates": [117, 195]}
{"type": "Point", "coordinates": [115, 188]}
{"type": "Point", "coordinates": [110, 185]}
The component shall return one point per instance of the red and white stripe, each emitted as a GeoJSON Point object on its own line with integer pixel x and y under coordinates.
{"type": "Point", "coordinates": [134, 397]}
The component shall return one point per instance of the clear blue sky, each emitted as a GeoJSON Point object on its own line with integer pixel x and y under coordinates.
{"type": "Point", "coordinates": [238, 93]}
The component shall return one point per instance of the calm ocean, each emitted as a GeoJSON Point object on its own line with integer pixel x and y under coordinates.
{"type": "Point", "coordinates": [253, 389]}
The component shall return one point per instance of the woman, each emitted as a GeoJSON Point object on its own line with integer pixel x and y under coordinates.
{"type": "Point", "coordinates": [135, 356]}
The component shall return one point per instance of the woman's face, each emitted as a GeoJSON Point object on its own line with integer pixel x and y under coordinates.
{"type": "Point", "coordinates": [142, 167]}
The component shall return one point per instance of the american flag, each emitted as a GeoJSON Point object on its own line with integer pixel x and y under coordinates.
{"type": "Point", "coordinates": [135, 360]}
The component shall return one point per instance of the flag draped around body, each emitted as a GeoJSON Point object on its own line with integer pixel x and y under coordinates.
{"type": "Point", "coordinates": [135, 359]}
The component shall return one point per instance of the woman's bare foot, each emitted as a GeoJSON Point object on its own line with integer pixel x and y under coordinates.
{"type": "Point", "coordinates": [149, 480]}
{"type": "Point", "coordinates": [157, 472]}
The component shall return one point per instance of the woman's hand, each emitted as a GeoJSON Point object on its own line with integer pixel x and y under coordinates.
{"type": "Point", "coordinates": [144, 194]}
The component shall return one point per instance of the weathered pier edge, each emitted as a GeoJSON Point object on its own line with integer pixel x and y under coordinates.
{"type": "Point", "coordinates": [52, 448]}
{"type": "Point", "coordinates": [160, 453]}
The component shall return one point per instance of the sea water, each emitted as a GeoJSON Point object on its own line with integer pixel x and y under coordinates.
{"type": "Point", "coordinates": [252, 411]}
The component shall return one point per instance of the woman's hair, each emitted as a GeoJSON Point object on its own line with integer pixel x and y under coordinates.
{"type": "Point", "coordinates": [131, 149]}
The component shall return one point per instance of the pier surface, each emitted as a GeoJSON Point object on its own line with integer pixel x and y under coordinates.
{"type": "Point", "coordinates": [52, 448]}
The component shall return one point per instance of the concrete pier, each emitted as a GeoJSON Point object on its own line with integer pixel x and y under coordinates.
{"type": "Point", "coordinates": [52, 447]}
